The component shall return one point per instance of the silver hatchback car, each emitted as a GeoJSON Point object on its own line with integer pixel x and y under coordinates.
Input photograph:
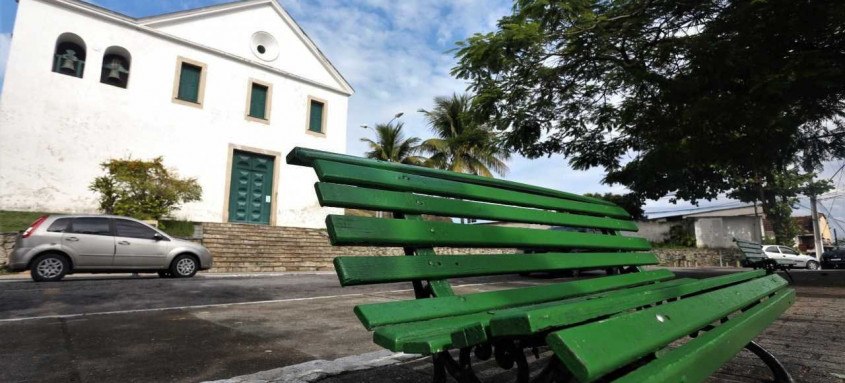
{"type": "Point", "coordinates": [57, 245]}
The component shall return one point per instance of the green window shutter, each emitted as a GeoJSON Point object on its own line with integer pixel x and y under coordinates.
{"type": "Point", "coordinates": [189, 83]}
{"type": "Point", "coordinates": [316, 123]}
{"type": "Point", "coordinates": [258, 101]}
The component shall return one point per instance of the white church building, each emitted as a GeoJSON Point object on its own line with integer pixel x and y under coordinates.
{"type": "Point", "coordinates": [222, 93]}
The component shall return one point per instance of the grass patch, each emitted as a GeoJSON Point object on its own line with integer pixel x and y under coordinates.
{"type": "Point", "coordinates": [14, 221]}
{"type": "Point", "coordinates": [183, 229]}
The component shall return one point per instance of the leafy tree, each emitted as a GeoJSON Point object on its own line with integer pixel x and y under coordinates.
{"type": "Point", "coordinates": [461, 144]}
{"type": "Point", "coordinates": [391, 145]}
{"type": "Point", "coordinates": [142, 189]}
{"type": "Point", "coordinates": [630, 202]}
{"type": "Point", "coordinates": [693, 97]}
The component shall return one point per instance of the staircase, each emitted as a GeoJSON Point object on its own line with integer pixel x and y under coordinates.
{"type": "Point", "coordinates": [250, 248]}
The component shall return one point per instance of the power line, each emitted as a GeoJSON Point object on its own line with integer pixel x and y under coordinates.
{"type": "Point", "coordinates": [738, 204]}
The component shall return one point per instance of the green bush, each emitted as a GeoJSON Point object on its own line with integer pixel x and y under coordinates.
{"type": "Point", "coordinates": [182, 229]}
{"type": "Point", "coordinates": [681, 236]}
{"type": "Point", "coordinates": [143, 189]}
{"type": "Point", "coordinates": [13, 221]}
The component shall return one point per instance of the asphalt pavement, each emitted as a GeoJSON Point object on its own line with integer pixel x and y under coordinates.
{"type": "Point", "coordinates": [96, 328]}
{"type": "Point", "coordinates": [119, 328]}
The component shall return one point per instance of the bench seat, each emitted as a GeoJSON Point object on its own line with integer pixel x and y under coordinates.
{"type": "Point", "coordinates": [634, 324]}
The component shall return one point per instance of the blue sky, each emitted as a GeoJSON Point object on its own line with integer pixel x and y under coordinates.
{"type": "Point", "coordinates": [397, 56]}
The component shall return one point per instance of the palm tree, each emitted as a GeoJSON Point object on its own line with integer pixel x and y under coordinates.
{"type": "Point", "coordinates": [391, 145]}
{"type": "Point", "coordinates": [461, 144]}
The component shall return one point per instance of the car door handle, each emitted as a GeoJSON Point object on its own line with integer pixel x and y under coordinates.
{"type": "Point", "coordinates": [123, 243]}
{"type": "Point", "coordinates": [72, 239]}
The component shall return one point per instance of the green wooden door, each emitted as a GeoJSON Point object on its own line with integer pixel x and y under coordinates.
{"type": "Point", "coordinates": [251, 190]}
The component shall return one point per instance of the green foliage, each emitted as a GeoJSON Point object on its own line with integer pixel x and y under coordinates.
{"type": "Point", "coordinates": [181, 229]}
{"type": "Point", "coordinates": [771, 241]}
{"type": "Point", "coordinates": [391, 145]}
{"type": "Point", "coordinates": [142, 189]}
{"type": "Point", "coordinates": [12, 221]}
{"type": "Point", "coordinates": [632, 203]}
{"type": "Point", "coordinates": [778, 191]}
{"type": "Point", "coordinates": [691, 97]}
{"type": "Point", "coordinates": [461, 143]}
{"type": "Point", "coordinates": [680, 235]}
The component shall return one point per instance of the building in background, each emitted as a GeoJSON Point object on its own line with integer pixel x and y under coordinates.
{"type": "Point", "coordinates": [222, 93]}
{"type": "Point", "coordinates": [714, 228]}
{"type": "Point", "coordinates": [804, 241]}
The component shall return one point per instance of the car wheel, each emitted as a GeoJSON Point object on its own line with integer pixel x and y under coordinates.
{"type": "Point", "coordinates": [49, 268]}
{"type": "Point", "coordinates": [812, 265]}
{"type": "Point", "coordinates": [184, 266]}
{"type": "Point", "coordinates": [165, 274]}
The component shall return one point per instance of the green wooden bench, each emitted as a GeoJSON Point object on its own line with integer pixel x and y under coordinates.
{"type": "Point", "coordinates": [753, 256]}
{"type": "Point", "coordinates": [632, 325]}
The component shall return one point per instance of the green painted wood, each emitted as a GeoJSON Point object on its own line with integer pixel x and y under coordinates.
{"type": "Point", "coordinates": [438, 334]}
{"type": "Point", "coordinates": [752, 251]}
{"type": "Point", "coordinates": [189, 82]}
{"type": "Point", "coordinates": [316, 115]}
{"type": "Point", "coordinates": [696, 360]}
{"type": "Point", "coordinates": [387, 313]}
{"type": "Point", "coordinates": [439, 288]}
{"type": "Point", "coordinates": [592, 350]}
{"type": "Point", "coordinates": [346, 196]}
{"type": "Point", "coordinates": [428, 337]}
{"type": "Point", "coordinates": [481, 332]}
{"type": "Point", "coordinates": [337, 172]}
{"type": "Point", "coordinates": [306, 157]}
{"type": "Point", "coordinates": [533, 319]}
{"type": "Point", "coordinates": [357, 270]}
{"type": "Point", "coordinates": [446, 333]}
{"type": "Point", "coordinates": [365, 231]}
{"type": "Point", "coordinates": [258, 101]}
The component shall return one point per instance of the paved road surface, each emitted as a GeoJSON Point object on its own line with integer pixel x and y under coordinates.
{"type": "Point", "coordinates": [118, 328]}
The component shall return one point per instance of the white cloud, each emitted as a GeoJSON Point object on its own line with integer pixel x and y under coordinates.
{"type": "Point", "coordinates": [397, 56]}
{"type": "Point", "coordinates": [5, 43]}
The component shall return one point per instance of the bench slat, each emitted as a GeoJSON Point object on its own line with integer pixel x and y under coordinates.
{"type": "Point", "coordinates": [434, 335]}
{"type": "Point", "coordinates": [306, 157]}
{"type": "Point", "coordinates": [364, 231]}
{"type": "Point", "coordinates": [336, 195]}
{"type": "Point", "coordinates": [702, 356]}
{"type": "Point", "coordinates": [592, 350]}
{"type": "Point", "coordinates": [537, 318]}
{"type": "Point", "coordinates": [361, 270]}
{"type": "Point", "coordinates": [387, 313]}
{"type": "Point", "coordinates": [335, 172]}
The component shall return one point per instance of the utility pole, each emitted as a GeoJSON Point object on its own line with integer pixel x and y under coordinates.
{"type": "Point", "coordinates": [817, 235]}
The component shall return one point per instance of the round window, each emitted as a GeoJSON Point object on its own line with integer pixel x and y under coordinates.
{"type": "Point", "coordinates": [264, 46]}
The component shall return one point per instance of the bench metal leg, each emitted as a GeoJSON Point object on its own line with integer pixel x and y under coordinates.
{"type": "Point", "coordinates": [461, 370]}
{"type": "Point", "coordinates": [554, 372]}
{"type": "Point", "coordinates": [780, 373]}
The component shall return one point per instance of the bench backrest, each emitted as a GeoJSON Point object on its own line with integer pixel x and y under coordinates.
{"type": "Point", "coordinates": [751, 251]}
{"type": "Point", "coordinates": [590, 239]}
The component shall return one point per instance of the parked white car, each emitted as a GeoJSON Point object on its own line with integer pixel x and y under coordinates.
{"type": "Point", "coordinates": [780, 252]}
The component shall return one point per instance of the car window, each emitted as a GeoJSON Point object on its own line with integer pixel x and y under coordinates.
{"type": "Point", "coordinates": [786, 250]}
{"type": "Point", "coordinates": [131, 229]}
{"type": "Point", "coordinates": [771, 249]}
{"type": "Point", "coordinates": [90, 225]}
{"type": "Point", "coordinates": [59, 225]}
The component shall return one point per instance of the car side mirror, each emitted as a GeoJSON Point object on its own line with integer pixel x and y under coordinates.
{"type": "Point", "coordinates": [158, 237]}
